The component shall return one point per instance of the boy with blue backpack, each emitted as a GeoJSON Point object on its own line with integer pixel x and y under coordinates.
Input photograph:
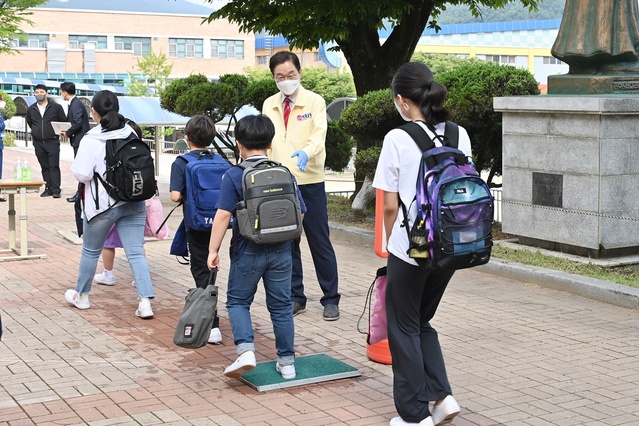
{"type": "Point", "coordinates": [195, 181]}
{"type": "Point", "coordinates": [263, 198]}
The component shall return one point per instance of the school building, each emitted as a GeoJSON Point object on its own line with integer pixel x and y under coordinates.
{"type": "Point", "coordinates": [100, 42]}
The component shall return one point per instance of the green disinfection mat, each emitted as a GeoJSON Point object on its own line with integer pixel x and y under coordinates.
{"type": "Point", "coordinates": [309, 369]}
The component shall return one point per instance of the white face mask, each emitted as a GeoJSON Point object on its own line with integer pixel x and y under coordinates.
{"type": "Point", "coordinates": [399, 110]}
{"type": "Point", "coordinates": [288, 87]}
{"type": "Point", "coordinates": [2, 104]}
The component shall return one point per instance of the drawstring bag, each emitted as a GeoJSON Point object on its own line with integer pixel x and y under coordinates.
{"type": "Point", "coordinates": [377, 323]}
{"type": "Point", "coordinates": [155, 225]}
{"type": "Point", "coordinates": [196, 321]}
{"type": "Point", "coordinates": [179, 246]}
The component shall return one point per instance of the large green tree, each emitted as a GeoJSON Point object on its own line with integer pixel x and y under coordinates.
{"type": "Point", "coordinates": [157, 69]}
{"type": "Point", "coordinates": [13, 19]}
{"type": "Point", "coordinates": [354, 26]}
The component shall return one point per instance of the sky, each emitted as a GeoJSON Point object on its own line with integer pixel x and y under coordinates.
{"type": "Point", "coordinates": [215, 4]}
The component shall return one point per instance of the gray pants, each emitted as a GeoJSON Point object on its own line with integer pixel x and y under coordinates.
{"type": "Point", "coordinates": [419, 373]}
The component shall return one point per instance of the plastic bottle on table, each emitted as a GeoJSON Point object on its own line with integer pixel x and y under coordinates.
{"type": "Point", "coordinates": [26, 171]}
{"type": "Point", "coordinates": [17, 171]}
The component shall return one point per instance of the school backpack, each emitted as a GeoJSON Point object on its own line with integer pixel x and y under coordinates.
{"type": "Point", "coordinates": [270, 212]}
{"type": "Point", "coordinates": [204, 171]}
{"type": "Point", "coordinates": [453, 228]}
{"type": "Point", "coordinates": [130, 171]}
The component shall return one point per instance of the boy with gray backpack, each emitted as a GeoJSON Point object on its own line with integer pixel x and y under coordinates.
{"type": "Point", "coordinates": [264, 198]}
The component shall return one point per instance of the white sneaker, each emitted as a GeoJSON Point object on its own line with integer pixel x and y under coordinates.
{"type": "Point", "coordinates": [398, 421]}
{"type": "Point", "coordinates": [80, 301]}
{"type": "Point", "coordinates": [216, 336]}
{"type": "Point", "coordinates": [287, 371]}
{"type": "Point", "coordinates": [104, 280]}
{"type": "Point", "coordinates": [133, 283]}
{"type": "Point", "coordinates": [444, 412]}
{"type": "Point", "coordinates": [144, 308]}
{"type": "Point", "coordinates": [243, 363]}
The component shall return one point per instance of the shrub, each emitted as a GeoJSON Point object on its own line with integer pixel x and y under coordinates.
{"type": "Point", "coordinates": [338, 147]}
{"type": "Point", "coordinates": [258, 91]}
{"type": "Point", "coordinates": [9, 139]}
{"type": "Point", "coordinates": [172, 92]}
{"type": "Point", "coordinates": [10, 109]}
{"type": "Point", "coordinates": [471, 89]}
{"type": "Point", "coordinates": [366, 161]}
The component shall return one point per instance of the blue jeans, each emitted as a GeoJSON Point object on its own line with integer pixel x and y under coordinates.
{"type": "Point", "coordinates": [273, 264]}
{"type": "Point", "coordinates": [130, 218]}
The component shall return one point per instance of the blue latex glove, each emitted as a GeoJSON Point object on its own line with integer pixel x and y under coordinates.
{"type": "Point", "coordinates": [302, 159]}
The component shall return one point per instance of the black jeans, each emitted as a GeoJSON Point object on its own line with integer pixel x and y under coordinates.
{"type": "Point", "coordinates": [48, 155]}
{"type": "Point", "coordinates": [198, 256]}
{"type": "Point", "coordinates": [317, 235]}
{"type": "Point", "coordinates": [419, 373]}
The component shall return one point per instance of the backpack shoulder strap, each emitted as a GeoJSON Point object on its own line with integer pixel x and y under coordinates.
{"type": "Point", "coordinates": [452, 134]}
{"type": "Point", "coordinates": [419, 135]}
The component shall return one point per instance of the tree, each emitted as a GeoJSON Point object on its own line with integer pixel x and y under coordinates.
{"type": "Point", "coordinates": [13, 17]}
{"type": "Point", "coordinates": [329, 85]}
{"type": "Point", "coordinates": [157, 70]}
{"type": "Point", "coordinates": [354, 26]}
{"type": "Point", "coordinates": [439, 63]}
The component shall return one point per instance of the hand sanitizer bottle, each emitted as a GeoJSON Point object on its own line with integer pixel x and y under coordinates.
{"type": "Point", "coordinates": [26, 171]}
{"type": "Point", "coordinates": [17, 171]}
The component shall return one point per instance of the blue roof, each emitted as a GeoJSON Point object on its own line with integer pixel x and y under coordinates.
{"type": "Point", "coordinates": [173, 7]}
{"type": "Point", "coordinates": [477, 27]}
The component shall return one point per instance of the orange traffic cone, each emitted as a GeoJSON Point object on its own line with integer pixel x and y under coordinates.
{"type": "Point", "coordinates": [379, 352]}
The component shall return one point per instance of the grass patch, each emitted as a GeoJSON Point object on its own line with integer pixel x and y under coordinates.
{"type": "Point", "coordinates": [339, 210]}
{"type": "Point", "coordinates": [626, 275]}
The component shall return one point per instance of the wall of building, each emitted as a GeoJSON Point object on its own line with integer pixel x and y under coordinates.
{"type": "Point", "coordinates": [60, 24]}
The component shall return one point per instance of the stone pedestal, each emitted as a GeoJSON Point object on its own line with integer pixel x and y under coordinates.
{"type": "Point", "coordinates": [571, 172]}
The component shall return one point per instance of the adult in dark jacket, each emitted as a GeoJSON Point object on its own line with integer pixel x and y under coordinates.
{"type": "Point", "coordinates": [79, 119]}
{"type": "Point", "coordinates": [45, 141]}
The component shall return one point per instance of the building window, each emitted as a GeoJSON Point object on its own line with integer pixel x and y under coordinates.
{"type": "Point", "coordinates": [551, 60]}
{"type": "Point", "coordinates": [186, 48]}
{"type": "Point", "coordinates": [76, 41]}
{"type": "Point", "coordinates": [501, 59]}
{"type": "Point", "coordinates": [227, 49]}
{"type": "Point", "coordinates": [140, 46]}
{"type": "Point", "coordinates": [34, 41]}
{"type": "Point", "coordinates": [262, 60]}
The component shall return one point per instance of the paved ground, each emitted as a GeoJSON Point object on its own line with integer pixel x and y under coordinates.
{"type": "Point", "coordinates": [517, 354]}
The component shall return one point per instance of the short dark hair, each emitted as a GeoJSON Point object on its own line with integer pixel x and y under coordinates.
{"type": "Point", "coordinates": [40, 86]}
{"type": "Point", "coordinates": [200, 130]}
{"type": "Point", "coordinates": [255, 131]}
{"type": "Point", "coordinates": [284, 56]}
{"type": "Point", "coordinates": [68, 87]}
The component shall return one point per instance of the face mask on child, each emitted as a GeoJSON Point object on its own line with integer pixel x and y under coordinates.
{"type": "Point", "coordinates": [401, 113]}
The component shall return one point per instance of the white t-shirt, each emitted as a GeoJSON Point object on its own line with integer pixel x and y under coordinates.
{"type": "Point", "coordinates": [397, 171]}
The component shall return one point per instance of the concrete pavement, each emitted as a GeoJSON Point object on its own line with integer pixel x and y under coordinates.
{"type": "Point", "coordinates": [517, 353]}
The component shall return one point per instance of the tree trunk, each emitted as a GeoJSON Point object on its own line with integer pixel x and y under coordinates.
{"type": "Point", "coordinates": [373, 65]}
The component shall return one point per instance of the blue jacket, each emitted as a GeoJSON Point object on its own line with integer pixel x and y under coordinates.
{"type": "Point", "coordinates": [2, 126]}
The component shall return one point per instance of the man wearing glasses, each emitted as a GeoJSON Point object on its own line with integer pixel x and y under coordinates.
{"type": "Point", "coordinates": [299, 116]}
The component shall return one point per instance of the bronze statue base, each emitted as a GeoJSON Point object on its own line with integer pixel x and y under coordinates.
{"type": "Point", "coordinates": [593, 84]}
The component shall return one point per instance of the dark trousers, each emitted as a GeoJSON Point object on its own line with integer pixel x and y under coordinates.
{"type": "Point", "coordinates": [198, 256]}
{"type": "Point", "coordinates": [419, 373]}
{"type": "Point", "coordinates": [48, 155]}
{"type": "Point", "coordinates": [317, 234]}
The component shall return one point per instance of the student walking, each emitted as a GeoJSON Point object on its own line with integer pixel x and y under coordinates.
{"type": "Point", "coordinates": [101, 211]}
{"type": "Point", "coordinates": [413, 293]}
{"type": "Point", "coordinates": [199, 134]}
{"type": "Point", "coordinates": [251, 262]}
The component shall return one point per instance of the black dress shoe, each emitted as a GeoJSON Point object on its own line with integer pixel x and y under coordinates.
{"type": "Point", "coordinates": [3, 200]}
{"type": "Point", "coordinates": [46, 193]}
{"type": "Point", "coordinates": [57, 195]}
{"type": "Point", "coordinates": [73, 199]}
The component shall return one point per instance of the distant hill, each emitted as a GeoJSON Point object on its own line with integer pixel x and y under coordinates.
{"type": "Point", "coordinates": [515, 11]}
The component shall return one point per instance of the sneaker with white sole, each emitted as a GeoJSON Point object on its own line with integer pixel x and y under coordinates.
{"type": "Point", "coordinates": [444, 412]}
{"type": "Point", "coordinates": [104, 280]}
{"type": "Point", "coordinates": [80, 301]}
{"type": "Point", "coordinates": [144, 308]}
{"type": "Point", "coordinates": [287, 371]}
{"type": "Point", "coordinates": [216, 336]}
{"type": "Point", "coordinates": [243, 363]}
